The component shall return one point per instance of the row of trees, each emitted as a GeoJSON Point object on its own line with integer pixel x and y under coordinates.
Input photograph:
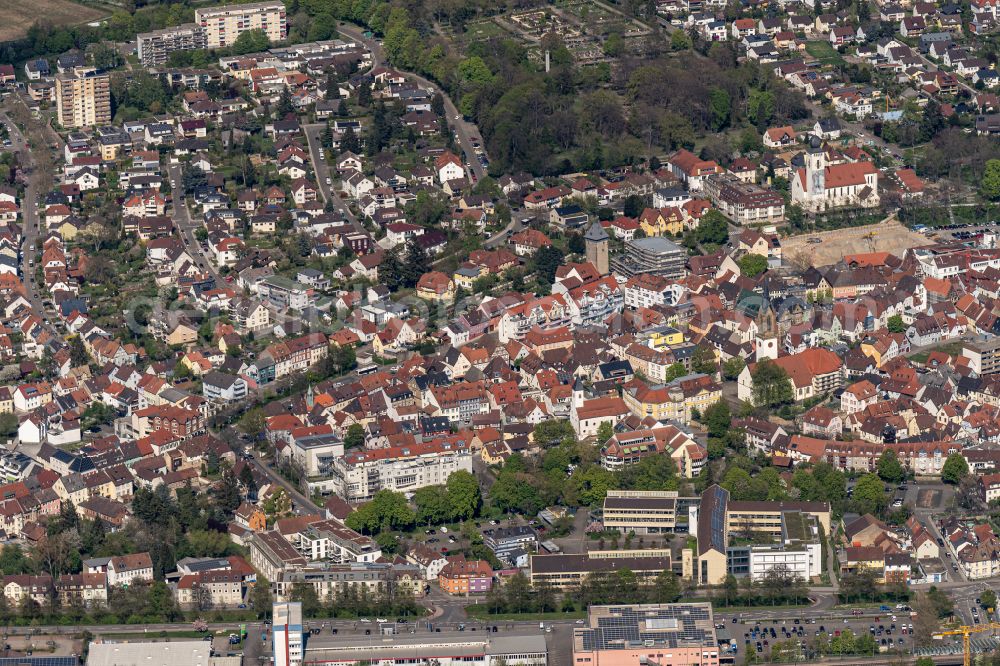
{"type": "Point", "coordinates": [142, 602]}
{"type": "Point", "coordinates": [390, 600]}
{"type": "Point", "coordinates": [519, 595]}
{"type": "Point", "coordinates": [778, 586]}
{"type": "Point", "coordinates": [459, 499]}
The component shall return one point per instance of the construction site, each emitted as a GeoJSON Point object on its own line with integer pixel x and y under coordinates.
{"type": "Point", "coordinates": [828, 247]}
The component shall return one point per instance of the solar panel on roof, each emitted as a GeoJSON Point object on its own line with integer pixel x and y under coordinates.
{"type": "Point", "coordinates": [39, 661]}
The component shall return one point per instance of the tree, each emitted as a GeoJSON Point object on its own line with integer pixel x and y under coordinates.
{"type": "Point", "coordinates": [388, 510]}
{"type": "Point", "coordinates": [864, 12]}
{"type": "Point", "coordinates": [305, 593]}
{"type": "Point", "coordinates": [350, 142]}
{"type": "Point", "coordinates": [752, 265]}
{"type": "Point", "coordinates": [719, 107]}
{"type": "Point", "coordinates": [250, 41]}
{"type": "Point", "coordinates": [674, 371]}
{"type": "Point", "coordinates": [650, 473]}
{"type": "Point", "coordinates": [390, 271]}
{"type": "Point", "coordinates": [8, 424]}
{"type": "Point", "coordinates": [954, 469]}
{"type": "Point", "coordinates": [988, 598]}
{"type": "Point", "coordinates": [989, 186]}
{"type": "Point", "coordinates": [78, 354]}
{"type": "Point", "coordinates": [261, 598]}
{"type": "Point", "coordinates": [889, 467]}
{"type": "Point", "coordinates": [546, 261]}
{"type": "Point", "coordinates": [417, 263]}
{"type": "Point", "coordinates": [552, 432]}
{"type": "Point", "coordinates": [355, 436]}
{"type": "Point", "coordinates": [771, 385]}
{"type": "Point", "coordinates": [464, 496]}
{"type": "Point", "coordinates": [605, 431]}
{"type": "Point", "coordinates": [432, 505]}
{"type": "Point", "coordinates": [633, 205]}
{"type": "Point", "coordinates": [732, 368]}
{"type": "Point", "coordinates": [869, 495]}
{"type": "Point", "coordinates": [895, 324]}
{"type": "Point", "coordinates": [739, 483]}
{"type": "Point", "coordinates": [703, 360]}
{"type": "Point", "coordinates": [713, 228]}
{"type": "Point", "coordinates": [252, 423]}
{"type": "Point", "coordinates": [717, 419]}
{"type": "Point", "coordinates": [591, 483]}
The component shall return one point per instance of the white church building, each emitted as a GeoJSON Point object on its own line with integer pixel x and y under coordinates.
{"type": "Point", "coordinates": [821, 186]}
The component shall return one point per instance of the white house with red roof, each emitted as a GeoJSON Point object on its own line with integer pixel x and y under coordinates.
{"type": "Point", "coordinates": [448, 167]}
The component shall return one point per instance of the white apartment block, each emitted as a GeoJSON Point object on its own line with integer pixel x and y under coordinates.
{"type": "Point", "coordinates": [222, 25]}
{"type": "Point", "coordinates": [803, 561]}
{"type": "Point", "coordinates": [155, 47]}
{"type": "Point", "coordinates": [358, 475]}
{"type": "Point", "coordinates": [332, 541]}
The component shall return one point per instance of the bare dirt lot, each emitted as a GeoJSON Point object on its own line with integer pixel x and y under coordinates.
{"type": "Point", "coordinates": [18, 15]}
{"type": "Point", "coordinates": [889, 236]}
{"type": "Point", "coordinates": [928, 499]}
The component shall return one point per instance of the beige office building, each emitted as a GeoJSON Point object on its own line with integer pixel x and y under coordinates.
{"type": "Point", "coordinates": [83, 98]}
{"type": "Point", "coordinates": [641, 511]}
{"type": "Point", "coordinates": [222, 25]}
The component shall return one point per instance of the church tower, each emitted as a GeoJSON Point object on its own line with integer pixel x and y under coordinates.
{"type": "Point", "coordinates": [815, 168]}
{"type": "Point", "coordinates": [596, 240]}
{"type": "Point", "coordinates": [767, 329]}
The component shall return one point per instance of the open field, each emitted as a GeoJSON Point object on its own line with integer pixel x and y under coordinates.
{"type": "Point", "coordinates": [824, 52]}
{"type": "Point", "coordinates": [19, 15]}
{"type": "Point", "coordinates": [890, 236]}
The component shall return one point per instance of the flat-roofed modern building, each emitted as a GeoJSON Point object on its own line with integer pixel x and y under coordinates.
{"type": "Point", "coordinates": [288, 641]}
{"type": "Point", "coordinates": [983, 355]}
{"type": "Point", "coordinates": [655, 255]}
{"type": "Point", "coordinates": [148, 653]}
{"type": "Point", "coordinates": [565, 571]}
{"type": "Point", "coordinates": [641, 511]}
{"type": "Point", "coordinates": [751, 538]}
{"type": "Point", "coordinates": [443, 649]}
{"type": "Point", "coordinates": [768, 517]}
{"type": "Point", "coordinates": [83, 98]}
{"type": "Point", "coordinates": [224, 24]}
{"type": "Point", "coordinates": [675, 634]}
{"type": "Point", "coordinates": [155, 47]}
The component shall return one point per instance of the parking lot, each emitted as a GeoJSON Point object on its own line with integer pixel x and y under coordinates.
{"type": "Point", "coordinates": [757, 639]}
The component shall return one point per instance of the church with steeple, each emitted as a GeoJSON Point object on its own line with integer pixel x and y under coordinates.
{"type": "Point", "coordinates": [828, 180]}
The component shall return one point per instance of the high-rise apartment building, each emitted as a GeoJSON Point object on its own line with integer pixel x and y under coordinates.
{"type": "Point", "coordinates": [222, 25]}
{"type": "Point", "coordinates": [154, 48]}
{"type": "Point", "coordinates": [83, 98]}
{"type": "Point", "coordinates": [288, 634]}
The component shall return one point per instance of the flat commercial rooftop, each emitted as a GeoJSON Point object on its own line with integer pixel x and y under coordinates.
{"type": "Point", "coordinates": [174, 653]}
{"type": "Point", "coordinates": [423, 646]}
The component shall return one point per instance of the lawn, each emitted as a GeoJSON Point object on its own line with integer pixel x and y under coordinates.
{"type": "Point", "coordinates": [19, 15]}
{"type": "Point", "coordinates": [953, 348]}
{"type": "Point", "coordinates": [484, 30]}
{"type": "Point", "coordinates": [156, 635]}
{"type": "Point", "coordinates": [824, 52]}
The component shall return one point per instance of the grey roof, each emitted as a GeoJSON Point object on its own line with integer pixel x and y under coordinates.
{"type": "Point", "coordinates": [596, 233]}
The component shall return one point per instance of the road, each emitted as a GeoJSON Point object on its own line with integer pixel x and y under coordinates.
{"type": "Point", "coordinates": [37, 182]}
{"type": "Point", "coordinates": [322, 170]}
{"type": "Point", "coordinates": [304, 504]}
{"type": "Point", "coordinates": [465, 132]}
{"type": "Point", "coordinates": [185, 225]}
